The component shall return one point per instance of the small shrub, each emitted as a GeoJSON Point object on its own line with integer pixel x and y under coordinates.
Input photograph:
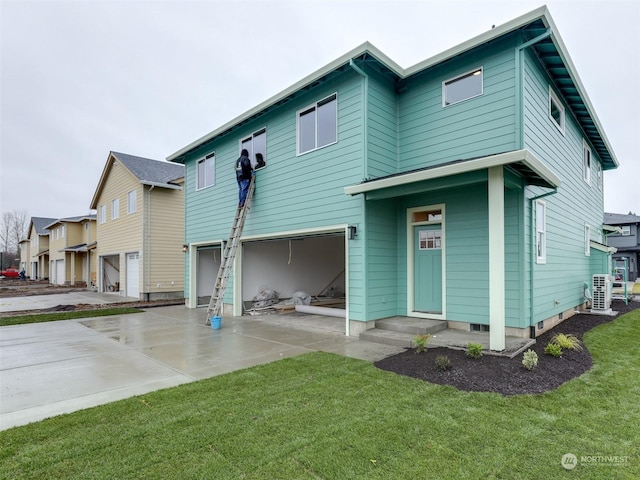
{"type": "Point", "coordinates": [567, 341]}
{"type": "Point", "coordinates": [474, 350]}
{"type": "Point", "coordinates": [530, 359]}
{"type": "Point", "coordinates": [420, 342]}
{"type": "Point", "coordinates": [553, 349]}
{"type": "Point", "coordinates": [443, 363]}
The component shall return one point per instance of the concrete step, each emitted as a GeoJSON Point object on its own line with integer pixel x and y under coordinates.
{"type": "Point", "coordinates": [400, 331]}
{"type": "Point", "coordinates": [388, 337]}
{"type": "Point", "coordinates": [415, 326]}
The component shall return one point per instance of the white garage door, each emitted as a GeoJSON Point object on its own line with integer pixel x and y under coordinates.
{"type": "Point", "coordinates": [59, 272]}
{"type": "Point", "coordinates": [133, 275]}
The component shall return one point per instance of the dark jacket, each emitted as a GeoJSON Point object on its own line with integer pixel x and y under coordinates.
{"type": "Point", "coordinates": [243, 168]}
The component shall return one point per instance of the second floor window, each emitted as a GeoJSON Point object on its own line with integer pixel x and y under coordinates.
{"type": "Point", "coordinates": [318, 125]}
{"type": "Point", "coordinates": [102, 214]}
{"type": "Point", "coordinates": [115, 208]}
{"type": "Point", "coordinates": [463, 87]}
{"type": "Point", "coordinates": [256, 145]}
{"type": "Point", "coordinates": [132, 201]}
{"type": "Point", "coordinates": [586, 163]}
{"type": "Point", "coordinates": [205, 174]}
{"type": "Point", "coordinates": [556, 110]}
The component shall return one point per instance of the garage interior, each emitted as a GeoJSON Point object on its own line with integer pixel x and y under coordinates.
{"type": "Point", "coordinates": [278, 273]}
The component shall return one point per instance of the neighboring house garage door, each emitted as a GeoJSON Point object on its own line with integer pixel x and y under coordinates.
{"type": "Point", "coordinates": [59, 272]}
{"type": "Point", "coordinates": [133, 275]}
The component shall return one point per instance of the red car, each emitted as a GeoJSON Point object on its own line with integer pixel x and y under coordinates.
{"type": "Point", "coordinates": [10, 272]}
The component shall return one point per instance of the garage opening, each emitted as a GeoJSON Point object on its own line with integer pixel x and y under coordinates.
{"type": "Point", "coordinates": [303, 270]}
{"type": "Point", "coordinates": [208, 259]}
{"type": "Point", "coordinates": [110, 268]}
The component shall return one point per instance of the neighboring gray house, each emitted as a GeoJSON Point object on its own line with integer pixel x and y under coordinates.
{"type": "Point", "coordinates": [627, 242]}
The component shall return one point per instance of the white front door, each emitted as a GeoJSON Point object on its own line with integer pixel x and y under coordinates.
{"type": "Point", "coordinates": [133, 275]}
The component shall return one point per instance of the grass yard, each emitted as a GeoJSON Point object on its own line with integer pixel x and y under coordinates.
{"type": "Point", "coordinates": [330, 417]}
{"type": "Point", "coordinates": [53, 317]}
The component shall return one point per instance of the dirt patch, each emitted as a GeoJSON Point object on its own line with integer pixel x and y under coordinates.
{"type": "Point", "coordinates": [507, 376]}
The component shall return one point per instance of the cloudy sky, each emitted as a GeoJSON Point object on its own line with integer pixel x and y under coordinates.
{"type": "Point", "coordinates": [82, 78]}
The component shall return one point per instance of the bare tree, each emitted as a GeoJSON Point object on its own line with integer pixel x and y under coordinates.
{"type": "Point", "coordinates": [13, 229]}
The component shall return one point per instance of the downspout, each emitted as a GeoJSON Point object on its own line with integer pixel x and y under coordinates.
{"type": "Point", "coordinates": [148, 249]}
{"type": "Point", "coordinates": [519, 67]}
{"type": "Point", "coordinates": [532, 256]}
{"type": "Point", "coordinates": [363, 202]}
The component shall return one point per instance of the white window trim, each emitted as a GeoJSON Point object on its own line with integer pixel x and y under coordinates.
{"type": "Point", "coordinates": [555, 99]}
{"type": "Point", "coordinates": [587, 240]}
{"type": "Point", "coordinates": [204, 159]}
{"type": "Point", "coordinates": [315, 106]}
{"type": "Point", "coordinates": [115, 209]}
{"type": "Point", "coordinates": [252, 154]}
{"type": "Point", "coordinates": [541, 259]}
{"type": "Point", "coordinates": [587, 170]}
{"type": "Point", "coordinates": [458, 77]}
{"type": "Point", "coordinates": [102, 214]}
{"type": "Point", "coordinates": [130, 203]}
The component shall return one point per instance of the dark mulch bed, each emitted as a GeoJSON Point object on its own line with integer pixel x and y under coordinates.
{"type": "Point", "coordinates": [504, 375]}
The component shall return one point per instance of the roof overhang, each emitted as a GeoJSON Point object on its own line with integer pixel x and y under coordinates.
{"type": "Point", "coordinates": [601, 247]}
{"type": "Point", "coordinates": [611, 229]}
{"type": "Point", "coordinates": [522, 162]}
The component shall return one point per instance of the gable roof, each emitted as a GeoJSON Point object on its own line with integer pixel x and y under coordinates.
{"type": "Point", "coordinates": [157, 173]}
{"type": "Point", "coordinates": [540, 33]}
{"type": "Point", "coordinates": [77, 219]}
{"type": "Point", "coordinates": [40, 224]}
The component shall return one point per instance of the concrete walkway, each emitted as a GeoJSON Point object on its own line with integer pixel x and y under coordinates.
{"type": "Point", "coordinates": [36, 302]}
{"type": "Point", "coordinates": [48, 369]}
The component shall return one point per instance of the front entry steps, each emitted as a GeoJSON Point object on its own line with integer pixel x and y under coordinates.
{"type": "Point", "coordinates": [400, 331]}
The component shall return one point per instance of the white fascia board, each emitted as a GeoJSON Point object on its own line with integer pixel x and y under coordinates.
{"type": "Point", "coordinates": [161, 185]}
{"type": "Point", "coordinates": [601, 247]}
{"type": "Point", "coordinates": [481, 39]}
{"type": "Point", "coordinates": [501, 159]}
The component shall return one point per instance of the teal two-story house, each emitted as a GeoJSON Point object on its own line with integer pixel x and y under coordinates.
{"type": "Point", "coordinates": [467, 188]}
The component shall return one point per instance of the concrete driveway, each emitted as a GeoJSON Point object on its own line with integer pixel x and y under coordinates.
{"type": "Point", "coordinates": [48, 369]}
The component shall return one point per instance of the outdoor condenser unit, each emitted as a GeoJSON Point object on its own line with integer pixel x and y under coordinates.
{"type": "Point", "coordinates": [602, 289]}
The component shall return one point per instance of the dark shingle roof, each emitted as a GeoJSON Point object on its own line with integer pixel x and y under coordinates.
{"type": "Point", "coordinates": [151, 171]}
{"type": "Point", "coordinates": [619, 218]}
{"type": "Point", "coordinates": [40, 223]}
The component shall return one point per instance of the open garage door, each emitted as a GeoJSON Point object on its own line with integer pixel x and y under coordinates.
{"type": "Point", "coordinates": [208, 263]}
{"type": "Point", "coordinates": [110, 273]}
{"type": "Point", "coordinates": [313, 264]}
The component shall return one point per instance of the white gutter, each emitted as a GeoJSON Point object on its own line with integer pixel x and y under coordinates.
{"type": "Point", "coordinates": [161, 185]}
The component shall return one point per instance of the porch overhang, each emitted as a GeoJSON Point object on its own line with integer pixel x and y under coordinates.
{"type": "Point", "coordinates": [602, 247]}
{"type": "Point", "coordinates": [522, 162]}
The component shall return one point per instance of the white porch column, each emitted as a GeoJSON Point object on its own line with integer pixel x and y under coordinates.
{"type": "Point", "coordinates": [496, 259]}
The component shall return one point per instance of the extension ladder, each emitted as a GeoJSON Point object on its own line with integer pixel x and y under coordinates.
{"type": "Point", "coordinates": [229, 255]}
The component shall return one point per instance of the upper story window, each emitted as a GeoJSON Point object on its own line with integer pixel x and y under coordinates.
{"type": "Point", "coordinates": [462, 87]}
{"type": "Point", "coordinates": [256, 145]}
{"type": "Point", "coordinates": [626, 230]}
{"type": "Point", "coordinates": [132, 201]}
{"type": "Point", "coordinates": [102, 214]}
{"type": "Point", "coordinates": [115, 208]}
{"type": "Point", "coordinates": [541, 232]}
{"type": "Point", "coordinates": [206, 171]}
{"type": "Point", "coordinates": [318, 125]}
{"type": "Point", "coordinates": [556, 110]}
{"type": "Point", "coordinates": [586, 162]}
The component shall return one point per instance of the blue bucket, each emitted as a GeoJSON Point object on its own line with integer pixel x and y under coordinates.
{"type": "Point", "coordinates": [216, 322]}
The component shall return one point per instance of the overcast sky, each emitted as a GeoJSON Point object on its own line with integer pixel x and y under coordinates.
{"type": "Point", "coordinates": [82, 78]}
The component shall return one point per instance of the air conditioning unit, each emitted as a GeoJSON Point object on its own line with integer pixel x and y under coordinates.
{"type": "Point", "coordinates": [602, 290]}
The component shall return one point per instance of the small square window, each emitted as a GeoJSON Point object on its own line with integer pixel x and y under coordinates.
{"type": "Point", "coordinates": [463, 87]}
{"type": "Point", "coordinates": [556, 110]}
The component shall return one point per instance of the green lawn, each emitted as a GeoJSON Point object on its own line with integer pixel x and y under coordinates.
{"type": "Point", "coordinates": [330, 417]}
{"type": "Point", "coordinates": [52, 317]}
